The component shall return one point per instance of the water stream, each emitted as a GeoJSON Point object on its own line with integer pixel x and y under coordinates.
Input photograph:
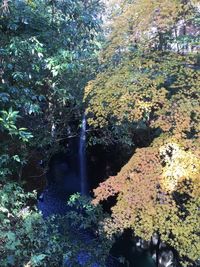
{"type": "Point", "coordinates": [82, 157]}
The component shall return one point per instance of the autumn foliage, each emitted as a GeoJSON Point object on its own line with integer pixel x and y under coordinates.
{"type": "Point", "coordinates": [148, 86]}
{"type": "Point", "coordinates": [158, 192]}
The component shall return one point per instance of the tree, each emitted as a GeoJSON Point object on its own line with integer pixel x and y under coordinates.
{"type": "Point", "coordinates": [48, 52]}
{"type": "Point", "coordinates": [147, 94]}
{"type": "Point", "coordinates": [160, 25]}
{"type": "Point", "coordinates": [155, 199]}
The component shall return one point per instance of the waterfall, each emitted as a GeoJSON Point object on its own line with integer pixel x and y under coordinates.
{"type": "Point", "coordinates": [82, 157]}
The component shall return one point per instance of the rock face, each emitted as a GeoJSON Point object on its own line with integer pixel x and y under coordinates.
{"type": "Point", "coordinates": [62, 180]}
{"type": "Point", "coordinates": [63, 174]}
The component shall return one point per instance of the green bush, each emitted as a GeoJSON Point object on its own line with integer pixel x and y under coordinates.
{"type": "Point", "coordinates": [26, 239]}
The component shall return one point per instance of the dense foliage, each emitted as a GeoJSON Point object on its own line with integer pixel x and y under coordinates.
{"type": "Point", "coordinates": [139, 86]}
{"type": "Point", "coordinates": [150, 92]}
{"type": "Point", "coordinates": [148, 95]}
{"type": "Point", "coordinates": [26, 239]}
{"type": "Point", "coordinates": [47, 54]}
{"type": "Point", "coordinates": [48, 51]}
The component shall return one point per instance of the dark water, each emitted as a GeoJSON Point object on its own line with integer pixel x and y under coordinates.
{"type": "Point", "coordinates": [142, 260]}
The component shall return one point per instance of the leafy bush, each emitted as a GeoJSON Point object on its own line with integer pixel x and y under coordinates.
{"type": "Point", "coordinates": [26, 239]}
{"type": "Point", "coordinates": [14, 142]}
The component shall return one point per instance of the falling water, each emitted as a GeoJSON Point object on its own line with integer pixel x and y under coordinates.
{"type": "Point", "coordinates": [82, 157]}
